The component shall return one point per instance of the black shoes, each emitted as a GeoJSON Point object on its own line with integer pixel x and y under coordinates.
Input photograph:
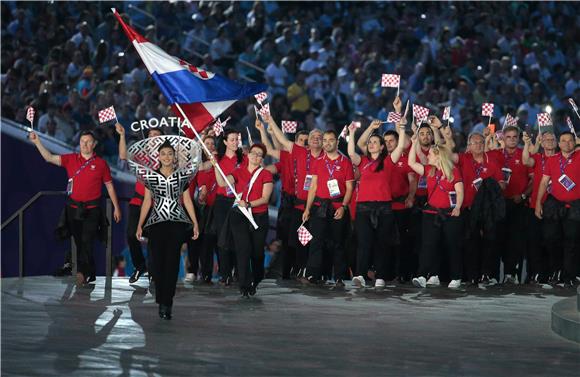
{"type": "Point", "coordinates": [136, 275]}
{"type": "Point", "coordinates": [164, 312]}
{"type": "Point", "coordinates": [226, 281]}
{"type": "Point", "coordinates": [252, 289]}
{"type": "Point", "coordinates": [339, 283]}
{"type": "Point", "coordinates": [151, 286]}
{"type": "Point", "coordinates": [245, 292]}
{"type": "Point", "coordinates": [90, 279]}
{"type": "Point", "coordinates": [207, 280]}
{"type": "Point", "coordinates": [65, 270]}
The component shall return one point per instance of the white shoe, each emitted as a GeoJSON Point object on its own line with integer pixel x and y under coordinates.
{"type": "Point", "coordinates": [189, 277]}
{"type": "Point", "coordinates": [454, 284]}
{"type": "Point", "coordinates": [433, 281]}
{"type": "Point", "coordinates": [420, 282]}
{"type": "Point", "coordinates": [359, 281]}
{"type": "Point", "coordinates": [379, 283]}
{"type": "Point", "coordinates": [510, 279]}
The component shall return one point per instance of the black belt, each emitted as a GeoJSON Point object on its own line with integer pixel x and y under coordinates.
{"type": "Point", "coordinates": [442, 213]}
{"type": "Point", "coordinates": [287, 200]}
{"type": "Point", "coordinates": [400, 199]}
{"type": "Point", "coordinates": [81, 210]}
{"type": "Point", "coordinates": [555, 209]}
{"type": "Point", "coordinates": [138, 196]}
{"type": "Point", "coordinates": [325, 208]}
{"type": "Point", "coordinates": [374, 210]}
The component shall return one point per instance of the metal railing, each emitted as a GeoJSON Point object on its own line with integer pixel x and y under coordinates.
{"type": "Point", "coordinates": [20, 215]}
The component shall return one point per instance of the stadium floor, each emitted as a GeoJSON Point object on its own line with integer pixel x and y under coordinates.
{"type": "Point", "coordinates": [49, 328]}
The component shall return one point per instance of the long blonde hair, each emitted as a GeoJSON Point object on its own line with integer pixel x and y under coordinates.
{"type": "Point", "coordinates": [445, 162]}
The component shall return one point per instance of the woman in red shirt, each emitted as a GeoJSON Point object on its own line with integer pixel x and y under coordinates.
{"type": "Point", "coordinates": [374, 215]}
{"type": "Point", "coordinates": [255, 185]}
{"type": "Point", "coordinates": [440, 215]}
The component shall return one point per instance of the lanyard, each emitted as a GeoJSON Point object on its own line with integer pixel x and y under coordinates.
{"type": "Point", "coordinates": [335, 164]}
{"type": "Point", "coordinates": [82, 167]}
{"type": "Point", "coordinates": [544, 158]}
{"type": "Point", "coordinates": [564, 162]}
{"type": "Point", "coordinates": [372, 162]}
{"type": "Point", "coordinates": [507, 158]}
{"type": "Point", "coordinates": [478, 168]}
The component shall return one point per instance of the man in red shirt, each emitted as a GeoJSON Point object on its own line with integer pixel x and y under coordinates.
{"type": "Point", "coordinates": [537, 266]}
{"type": "Point", "coordinates": [285, 169]}
{"type": "Point", "coordinates": [328, 198]}
{"type": "Point", "coordinates": [304, 160]}
{"type": "Point", "coordinates": [561, 211]}
{"type": "Point", "coordinates": [518, 189]}
{"type": "Point", "coordinates": [86, 172]}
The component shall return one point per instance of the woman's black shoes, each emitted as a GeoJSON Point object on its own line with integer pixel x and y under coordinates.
{"type": "Point", "coordinates": [136, 275]}
{"type": "Point", "coordinates": [164, 312]}
{"type": "Point", "coordinates": [252, 289]}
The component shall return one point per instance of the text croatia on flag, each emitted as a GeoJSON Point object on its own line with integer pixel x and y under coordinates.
{"type": "Point", "coordinates": [201, 94]}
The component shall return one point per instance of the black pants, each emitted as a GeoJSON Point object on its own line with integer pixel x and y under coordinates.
{"type": "Point", "coordinates": [373, 241]}
{"type": "Point", "coordinates": [480, 255]}
{"type": "Point", "coordinates": [85, 232]}
{"type": "Point", "coordinates": [510, 234]}
{"type": "Point", "coordinates": [226, 257]}
{"type": "Point", "coordinates": [564, 255]}
{"type": "Point", "coordinates": [406, 258]}
{"type": "Point", "coordinates": [301, 251]}
{"type": "Point", "coordinates": [249, 246]}
{"type": "Point", "coordinates": [165, 240]}
{"type": "Point", "coordinates": [537, 256]}
{"type": "Point", "coordinates": [433, 232]}
{"type": "Point", "coordinates": [283, 228]}
{"type": "Point", "coordinates": [328, 234]}
{"type": "Point", "coordinates": [134, 244]}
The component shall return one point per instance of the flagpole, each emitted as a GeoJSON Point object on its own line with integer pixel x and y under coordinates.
{"type": "Point", "coordinates": [244, 210]}
{"type": "Point", "coordinates": [576, 111]}
{"type": "Point", "coordinates": [249, 136]}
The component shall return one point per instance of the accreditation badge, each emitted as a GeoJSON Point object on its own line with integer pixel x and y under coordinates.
{"type": "Point", "coordinates": [307, 182]}
{"type": "Point", "coordinates": [507, 174]}
{"type": "Point", "coordinates": [566, 182]}
{"type": "Point", "coordinates": [333, 188]}
{"type": "Point", "coordinates": [477, 183]}
{"type": "Point", "coordinates": [452, 199]}
{"type": "Point", "coordinates": [69, 186]}
{"type": "Point", "coordinates": [422, 184]}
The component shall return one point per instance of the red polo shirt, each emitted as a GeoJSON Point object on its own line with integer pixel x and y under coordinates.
{"type": "Point", "coordinates": [558, 165]}
{"type": "Point", "coordinates": [438, 187]}
{"type": "Point", "coordinates": [374, 186]}
{"type": "Point", "coordinates": [139, 190]}
{"type": "Point", "coordinates": [87, 184]}
{"type": "Point", "coordinates": [471, 170]}
{"type": "Point", "coordinates": [228, 164]}
{"type": "Point", "coordinates": [420, 180]}
{"type": "Point", "coordinates": [519, 177]}
{"type": "Point", "coordinates": [285, 168]}
{"type": "Point", "coordinates": [242, 177]}
{"type": "Point", "coordinates": [326, 169]}
{"type": "Point", "coordinates": [207, 178]}
{"type": "Point", "coordinates": [540, 162]}
{"type": "Point", "coordinates": [304, 165]}
{"type": "Point", "coordinates": [400, 181]}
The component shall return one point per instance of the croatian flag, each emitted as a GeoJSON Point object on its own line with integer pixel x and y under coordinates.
{"type": "Point", "coordinates": [202, 95]}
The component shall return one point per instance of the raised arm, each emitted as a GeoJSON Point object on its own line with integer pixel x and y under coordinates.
{"type": "Point", "coordinates": [527, 160]}
{"type": "Point", "coordinates": [45, 153]}
{"type": "Point", "coordinates": [270, 150]}
{"type": "Point", "coordinates": [278, 134]}
{"type": "Point", "coordinates": [398, 152]}
{"type": "Point", "coordinates": [364, 138]}
{"type": "Point", "coordinates": [122, 142]}
{"type": "Point", "coordinates": [354, 157]}
{"type": "Point", "coordinates": [413, 164]}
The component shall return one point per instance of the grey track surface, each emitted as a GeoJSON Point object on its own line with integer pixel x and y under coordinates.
{"type": "Point", "coordinates": [51, 328]}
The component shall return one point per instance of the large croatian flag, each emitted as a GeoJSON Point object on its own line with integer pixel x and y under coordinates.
{"type": "Point", "coordinates": [202, 95]}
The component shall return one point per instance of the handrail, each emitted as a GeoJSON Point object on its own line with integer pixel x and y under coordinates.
{"type": "Point", "coordinates": [28, 204]}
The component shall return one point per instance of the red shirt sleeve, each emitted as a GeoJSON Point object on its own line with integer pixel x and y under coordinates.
{"type": "Point", "coordinates": [106, 173]}
{"type": "Point", "coordinates": [65, 160]}
{"type": "Point", "coordinates": [349, 176]}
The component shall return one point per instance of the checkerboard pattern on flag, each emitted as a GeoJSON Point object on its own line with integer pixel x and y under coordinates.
{"type": "Point", "coordinates": [107, 114]}
{"type": "Point", "coordinates": [265, 110]}
{"type": "Point", "coordinates": [261, 97]}
{"type": "Point", "coordinates": [446, 112]}
{"type": "Point", "coordinates": [510, 121]}
{"type": "Point", "coordinates": [30, 114]}
{"type": "Point", "coordinates": [544, 119]}
{"type": "Point", "coordinates": [289, 126]}
{"type": "Point", "coordinates": [390, 81]}
{"type": "Point", "coordinates": [487, 109]}
{"type": "Point", "coordinates": [573, 104]}
{"type": "Point", "coordinates": [356, 124]}
{"type": "Point", "coordinates": [420, 113]}
{"type": "Point", "coordinates": [394, 117]}
{"type": "Point", "coordinates": [344, 132]}
{"type": "Point", "coordinates": [304, 235]}
{"type": "Point", "coordinates": [218, 127]}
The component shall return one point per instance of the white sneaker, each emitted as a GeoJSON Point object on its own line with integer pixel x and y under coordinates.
{"type": "Point", "coordinates": [433, 281]}
{"type": "Point", "coordinates": [420, 282]}
{"type": "Point", "coordinates": [189, 277]}
{"type": "Point", "coordinates": [510, 279]}
{"type": "Point", "coordinates": [454, 284]}
{"type": "Point", "coordinates": [359, 281]}
{"type": "Point", "coordinates": [379, 283]}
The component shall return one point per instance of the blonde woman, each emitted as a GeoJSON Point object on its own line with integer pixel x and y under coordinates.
{"type": "Point", "coordinates": [440, 215]}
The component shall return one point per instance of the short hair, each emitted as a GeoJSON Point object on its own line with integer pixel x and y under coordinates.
{"type": "Point", "coordinates": [299, 133]}
{"type": "Point", "coordinates": [154, 129]}
{"type": "Point", "coordinates": [261, 147]}
{"type": "Point", "coordinates": [88, 132]}
{"type": "Point", "coordinates": [511, 128]}
{"type": "Point", "coordinates": [333, 132]}
{"type": "Point", "coordinates": [391, 133]}
{"type": "Point", "coordinates": [315, 130]}
{"type": "Point", "coordinates": [424, 125]}
{"type": "Point", "coordinates": [566, 133]}
{"type": "Point", "coordinates": [475, 134]}
{"type": "Point", "coordinates": [166, 144]}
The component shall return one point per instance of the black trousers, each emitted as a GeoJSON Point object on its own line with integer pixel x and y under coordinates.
{"type": "Point", "coordinates": [510, 233]}
{"type": "Point", "coordinates": [249, 246]}
{"type": "Point", "coordinates": [563, 256]}
{"type": "Point", "coordinates": [283, 228]}
{"type": "Point", "coordinates": [134, 244]}
{"type": "Point", "coordinates": [328, 234]}
{"type": "Point", "coordinates": [301, 252]}
{"type": "Point", "coordinates": [537, 256]}
{"type": "Point", "coordinates": [434, 231]}
{"type": "Point", "coordinates": [165, 240]}
{"type": "Point", "coordinates": [406, 257]}
{"type": "Point", "coordinates": [480, 255]}
{"type": "Point", "coordinates": [84, 232]}
{"type": "Point", "coordinates": [373, 242]}
{"type": "Point", "coordinates": [226, 257]}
